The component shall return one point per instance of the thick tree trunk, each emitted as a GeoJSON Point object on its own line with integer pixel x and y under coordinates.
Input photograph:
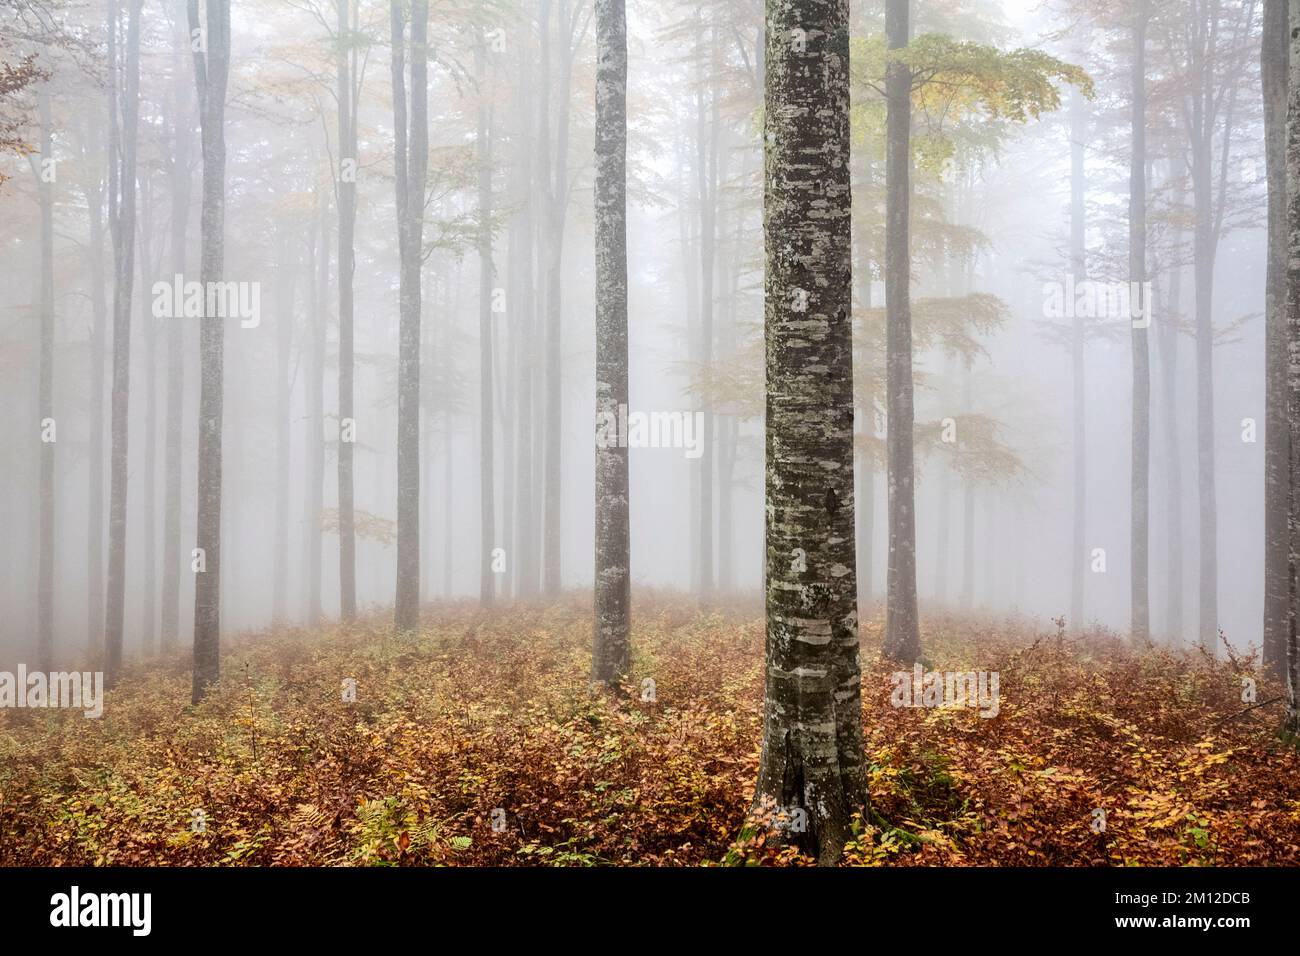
{"type": "Point", "coordinates": [1140, 616]}
{"type": "Point", "coordinates": [124, 263]}
{"type": "Point", "coordinates": [812, 753]}
{"type": "Point", "coordinates": [212, 70]}
{"type": "Point", "coordinates": [1274, 55]}
{"type": "Point", "coordinates": [412, 160]}
{"type": "Point", "coordinates": [611, 650]}
{"type": "Point", "coordinates": [902, 627]}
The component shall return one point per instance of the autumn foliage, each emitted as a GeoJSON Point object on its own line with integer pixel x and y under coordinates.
{"type": "Point", "coordinates": [485, 718]}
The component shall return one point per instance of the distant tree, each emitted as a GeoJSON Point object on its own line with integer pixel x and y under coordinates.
{"type": "Point", "coordinates": [211, 74]}
{"type": "Point", "coordinates": [411, 160]}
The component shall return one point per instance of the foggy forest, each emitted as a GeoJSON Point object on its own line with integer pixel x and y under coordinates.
{"type": "Point", "coordinates": [663, 433]}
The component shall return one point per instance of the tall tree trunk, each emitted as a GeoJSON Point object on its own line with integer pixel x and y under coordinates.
{"type": "Point", "coordinates": [149, 595]}
{"type": "Point", "coordinates": [95, 485]}
{"type": "Point", "coordinates": [1167, 344]}
{"type": "Point", "coordinates": [45, 391]}
{"type": "Point", "coordinates": [524, 560]}
{"type": "Point", "coordinates": [1274, 65]}
{"type": "Point", "coordinates": [412, 160]}
{"type": "Point", "coordinates": [812, 753]}
{"type": "Point", "coordinates": [284, 390]}
{"type": "Point", "coordinates": [706, 171]}
{"type": "Point", "coordinates": [344, 60]}
{"type": "Point", "coordinates": [1141, 429]}
{"type": "Point", "coordinates": [1079, 269]}
{"type": "Point", "coordinates": [611, 650]}
{"type": "Point", "coordinates": [487, 472]}
{"type": "Point", "coordinates": [124, 263]}
{"type": "Point", "coordinates": [1291, 724]}
{"type": "Point", "coordinates": [902, 627]}
{"type": "Point", "coordinates": [212, 70]}
{"type": "Point", "coordinates": [315, 328]}
{"type": "Point", "coordinates": [180, 209]}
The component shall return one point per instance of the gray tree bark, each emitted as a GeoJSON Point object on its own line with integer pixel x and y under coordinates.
{"type": "Point", "coordinates": [345, 64]}
{"type": "Point", "coordinates": [611, 649]}
{"type": "Point", "coordinates": [124, 274]}
{"type": "Point", "coordinates": [487, 501]}
{"type": "Point", "coordinates": [412, 161]}
{"type": "Point", "coordinates": [180, 208]}
{"type": "Point", "coordinates": [902, 626]}
{"type": "Point", "coordinates": [1079, 269]}
{"type": "Point", "coordinates": [211, 71]}
{"type": "Point", "coordinates": [1141, 430]}
{"type": "Point", "coordinates": [812, 752]}
{"type": "Point", "coordinates": [45, 394]}
{"type": "Point", "coordinates": [1274, 57]}
{"type": "Point", "coordinates": [1291, 723]}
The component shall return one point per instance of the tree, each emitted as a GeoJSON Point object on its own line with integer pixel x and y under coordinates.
{"type": "Point", "coordinates": [1141, 430]}
{"type": "Point", "coordinates": [182, 125]}
{"type": "Point", "coordinates": [211, 73]}
{"type": "Point", "coordinates": [1291, 723]}
{"type": "Point", "coordinates": [1273, 70]}
{"type": "Point", "coordinates": [122, 210]}
{"type": "Point", "coordinates": [611, 653]}
{"type": "Point", "coordinates": [411, 162]}
{"type": "Point", "coordinates": [45, 388]}
{"type": "Point", "coordinates": [812, 752]}
{"type": "Point", "coordinates": [902, 627]}
{"type": "Point", "coordinates": [487, 504]}
{"type": "Point", "coordinates": [348, 92]}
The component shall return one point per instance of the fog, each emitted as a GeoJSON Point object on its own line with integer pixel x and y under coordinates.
{"type": "Point", "coordinates": [995, 506]}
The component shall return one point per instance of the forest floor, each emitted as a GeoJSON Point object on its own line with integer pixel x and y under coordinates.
{"type": "Point", "coordinates": [486, 717]}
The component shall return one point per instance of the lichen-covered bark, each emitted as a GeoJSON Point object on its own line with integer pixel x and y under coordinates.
{"type": "Point", "coordinates": [1141, 431]}
{"type": "Point", "coordinates": [812, 714]}
{"type": "Point", "coordinates": [610, 652]}
{"type": "Point", "coordinates": [902, 626]}
{"type": "Point", "coordinates": [212, 70]}
{"type": "Point", "coordinates": [1274, 57]}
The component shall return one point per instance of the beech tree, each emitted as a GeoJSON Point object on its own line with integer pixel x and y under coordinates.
{"type": "Point", "coordinates": [812, 752]}
{"type": "Point", "coordinates": [611, 653]}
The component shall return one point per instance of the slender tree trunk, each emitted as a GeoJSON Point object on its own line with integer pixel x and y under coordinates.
{"type": "Point", "coordinates": [1167, 343]}
{"type": "Point", "coordinates": [1141, 429]}
{"type": "Point", "coordinates": [124, 263]}
{"type": "Point", "coordinates": [45, 393]}
{"type": "Point", "coordinates": [412, 160]}
{"type": "Point", "coordinates": [284, 390]}
{"type": "Point", "coordinates": [487, 473]}
{"type": "Point", "coordinates": [180, 208]}
{"type": "Point", "coordinates": [1291, 724]}
{"type": "Point", "coordinates": [315, 401]}
{"type": "Point", "coordinates": [812, 753]}
{"type": "Point", "coordinates": [706, 171]}
{"type": "Point", "coordinates": [149, 596]}
{"type": "Point", "coordinates": [1274, 55]}
{"type": "Point", "coordinates": [347, 200]}
{"type": "Point", "coordinates": [212, 69]}
{"type": "Point", "coordinates": [902, 627]}
{"type": "Point", "coordinates": [1078, 268]}
{"type": "Point", "coordinates": [95, 484]}
{"type": "Point", "coordinates": [522, 297]}
{"type": "Point", "coordinates": [611, 648]}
